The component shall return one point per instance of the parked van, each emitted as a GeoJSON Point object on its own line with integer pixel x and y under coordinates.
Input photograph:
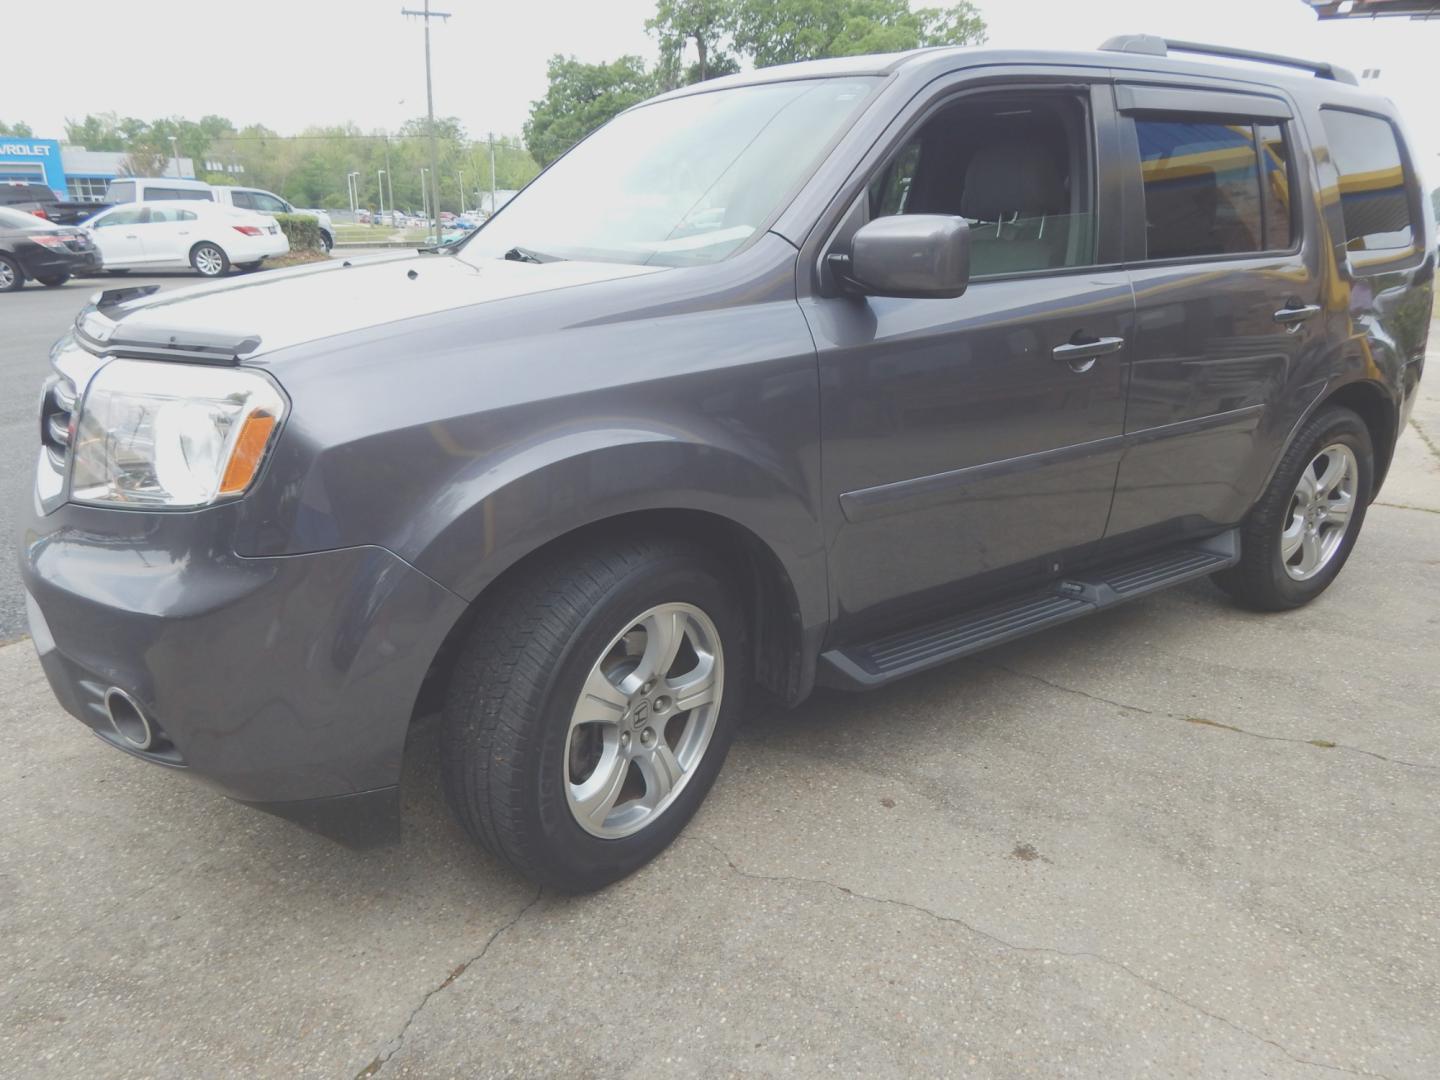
{"type": "Point", "coordinates": [871, 363]}
{"type": "Point", "coordinates": [149, 189]}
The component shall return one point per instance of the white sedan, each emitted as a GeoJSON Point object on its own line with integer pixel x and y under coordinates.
{"type": "Point", "coordinates": [170, 233]}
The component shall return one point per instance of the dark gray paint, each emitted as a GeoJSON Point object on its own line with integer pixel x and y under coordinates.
{"type": "Point", "coordinates": [891, 455]}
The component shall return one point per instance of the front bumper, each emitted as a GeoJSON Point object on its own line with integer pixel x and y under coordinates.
{"type": "Point", "coordinates": [287, 682]}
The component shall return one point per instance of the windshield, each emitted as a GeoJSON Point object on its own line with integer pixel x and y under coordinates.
{"type": "Point", "coordinates": [675, 183]}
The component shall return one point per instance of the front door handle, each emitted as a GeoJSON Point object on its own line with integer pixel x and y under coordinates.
{"type": "Point", "coordinates": [1080, 354]}
{"type": "Point", "coordinates": [1291, 316]}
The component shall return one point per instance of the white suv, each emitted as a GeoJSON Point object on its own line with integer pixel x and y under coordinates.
{"type": "Point", "coordinates": [151, 188]}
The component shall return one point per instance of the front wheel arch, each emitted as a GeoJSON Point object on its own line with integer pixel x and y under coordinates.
{"type": "Point", "coordinates": [782, 659]}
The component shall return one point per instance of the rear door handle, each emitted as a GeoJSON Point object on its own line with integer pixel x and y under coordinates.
{"type": "Point", "coordinates": [1080, 355]}
{"type": "Point", "coordinates": [1293, 316]}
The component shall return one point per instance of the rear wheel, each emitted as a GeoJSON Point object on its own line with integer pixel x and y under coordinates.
{"type": "Point", "coordinates": [209, 260]}
{"type": "Point", "coordinates": [53, 280]}
{"type": "Point", "coordinates": [11, 276]}
{"type": "Point", "coordinates": [1302, 530]}
{"type": "Point", "coordinates": [592, 708]}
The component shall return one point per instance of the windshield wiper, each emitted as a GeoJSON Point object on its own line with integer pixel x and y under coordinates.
{"type": "Point", "coordinates": [520, 254]}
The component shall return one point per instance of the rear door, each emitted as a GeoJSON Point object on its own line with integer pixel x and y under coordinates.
{"type": "Point", "coordinates": [1220, 242]}
{"type": "Point", "coordinates": [168, 234]}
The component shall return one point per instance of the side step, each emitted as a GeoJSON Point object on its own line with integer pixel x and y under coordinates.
{"type": "Point", "coordinates": [874, 663]}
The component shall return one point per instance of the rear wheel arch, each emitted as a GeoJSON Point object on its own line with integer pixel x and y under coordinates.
{"type": "Point", "coordinates": [1369, 401]}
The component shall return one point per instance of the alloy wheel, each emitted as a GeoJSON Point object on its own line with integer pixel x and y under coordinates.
{"type": "Point", "coordinates": [1320, 512]}
{"type": "Point", "coordinates": [644, 720]}
{"type": "Point", "coordinates": [7, 275]}
{"type": "Point", "coordinates": [208, 261]}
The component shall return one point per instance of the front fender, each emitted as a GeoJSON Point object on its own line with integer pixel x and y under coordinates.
{"type": "Point", "coordinates": [553, 488]}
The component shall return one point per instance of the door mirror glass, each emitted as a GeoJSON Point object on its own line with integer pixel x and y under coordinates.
{"type": "Point", "coordinates": [911, 255]}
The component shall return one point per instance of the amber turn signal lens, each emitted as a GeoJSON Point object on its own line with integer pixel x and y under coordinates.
{"type": "Point", "coordinates": [249, 450]}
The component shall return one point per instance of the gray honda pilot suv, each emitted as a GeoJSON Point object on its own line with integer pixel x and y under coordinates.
{"type": "Point", "coordinates": [818, 374]}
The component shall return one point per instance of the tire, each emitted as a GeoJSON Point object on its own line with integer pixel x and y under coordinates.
{"type": "Point", "coordinates": [250, 266]}
{"type": "Point", "coordinates": [117, 273]}
{"type": "Point", "coordinates": [209, 260]}
{"type": "Point", "coordinates": [53, 281]}
{"type": "Point", "coordinates": [515, 762]}
{"type": "Point", "coordinates": [12, 277]}
{"type": "Point", "coordinates": [326, 241]}
{"type": "Point", "coordinates": [1271, 578]}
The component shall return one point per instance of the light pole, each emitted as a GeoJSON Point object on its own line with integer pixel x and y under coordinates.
{"type": "Point", "coordinates": [352, 182]}
{"type": "Point", "coordinates": [427, 15]}
{"type": "Point", "coordinates": [492, 172]}
{"type": "Point", "coordinates": [175, 153]}
{"type": "Point", "coordinates": [380, 185]}
{"type": "Point", "coordinates": [424, 194]}
{"type": "Point", "coordinates": [460, 182]}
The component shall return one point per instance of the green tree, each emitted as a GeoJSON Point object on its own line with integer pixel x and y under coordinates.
{"type": "Point", "coordinates": [678, 22]}
{"type": "Point", "coordinates": [18, 131]}
{"type": "Point", "coordinates": [784, 31]}
{"type": "Point", "coordinates": [580, 98]}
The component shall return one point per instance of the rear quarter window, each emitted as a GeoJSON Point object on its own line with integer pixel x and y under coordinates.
{"type": "Point", "coordinates": [1374, 196]}
{"type": "Point", "coordinates": [120, 191]}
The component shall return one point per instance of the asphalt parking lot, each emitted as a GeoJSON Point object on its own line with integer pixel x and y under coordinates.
{"type": "Point", "coordinates": [1175, 839]}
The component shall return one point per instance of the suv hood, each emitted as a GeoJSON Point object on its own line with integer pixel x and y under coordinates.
{"type": "Point", "coordinates": [280, 308]}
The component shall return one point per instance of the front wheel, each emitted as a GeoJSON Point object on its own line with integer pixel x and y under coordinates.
{"type": "Point", "coordinates": [209, 260]}
{"type": "Point", "coordinates": [591, 709]}
{"type": "Point", "coordinates": [1302, 530]}
{"type": "Point", "coordinates": [326, 241]}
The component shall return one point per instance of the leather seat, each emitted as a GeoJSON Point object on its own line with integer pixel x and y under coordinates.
{"type": "Point", "coordinates": [1016, 200]}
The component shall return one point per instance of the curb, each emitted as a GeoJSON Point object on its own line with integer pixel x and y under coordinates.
{"type": "Point", "coordinates": [375, 244]}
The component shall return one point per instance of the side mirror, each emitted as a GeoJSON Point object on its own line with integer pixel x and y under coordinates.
{"type": "Point", "coordinates": [920, 256]}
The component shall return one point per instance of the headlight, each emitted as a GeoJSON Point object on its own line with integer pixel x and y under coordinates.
{"type": "Point", "coordinates": [155, 433]}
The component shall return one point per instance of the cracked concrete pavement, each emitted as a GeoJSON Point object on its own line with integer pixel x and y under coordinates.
{"type": "Point", "coordinates": [1175, 839]}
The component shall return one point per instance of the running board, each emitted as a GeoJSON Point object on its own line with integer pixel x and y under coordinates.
{"type": "Point", "coordinates": [874, 663]}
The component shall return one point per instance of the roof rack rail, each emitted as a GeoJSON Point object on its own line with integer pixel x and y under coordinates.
{"type": "Point", "coordinates": [1150, 45]}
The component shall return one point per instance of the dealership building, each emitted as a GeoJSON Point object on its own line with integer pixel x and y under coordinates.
{"type": "Point", "coordinates": [70, 171]}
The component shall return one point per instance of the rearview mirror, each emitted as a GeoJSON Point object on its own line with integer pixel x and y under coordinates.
{"type": "Point", "coordinates": [911, 255]}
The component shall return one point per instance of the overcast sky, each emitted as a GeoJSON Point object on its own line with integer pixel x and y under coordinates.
{"type": "Point", "coordinates": [292, 63]}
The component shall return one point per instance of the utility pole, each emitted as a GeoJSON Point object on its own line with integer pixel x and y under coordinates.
{"type": "Point", "coordinates": [424, 194]}
{"type": "Point", "coordinates": [380, 186]}
{"type": "Point", "coordinates": [427, 15]}
{"type": "Point", "coordinates": [175, 153]}
{"type": "Point", "coordinates": [492, 172]}
{"type": "Point", "coordinates": [390, 182]}
{"type": "Point", "coordinates": [460, 183]}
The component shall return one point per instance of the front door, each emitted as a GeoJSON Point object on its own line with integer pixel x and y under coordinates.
{"type": "Point", "coordinates": [118, 236]}
{"type": "Point", "coordinates": [971, 445]}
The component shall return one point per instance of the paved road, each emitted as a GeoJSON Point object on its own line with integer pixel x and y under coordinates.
{"type": "Point", "coordinates": [1171, 840]}
{"type": "Point", "coordinates": [30, 321]}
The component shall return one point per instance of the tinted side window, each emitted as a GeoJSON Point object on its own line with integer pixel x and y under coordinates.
{"type": "Point", "coordinates": [1373, 199]}
{"type": "Point", "coordinates": [156, 193]}
{"type": "Point", "coordinates": [1275, 186]}
{"type": "Point", "coordinates": [267, 204]}
{"type": "Point", "coordinates": [242, 199]}
{"type": "Point", "coordinates": [130, 216]}
{"type": "Point", "coordinates": [1015, 166]}
{"type": "Point", "coordinates": [120, 191]}
{"type": "Point", "coordinates": [1213, 187]}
